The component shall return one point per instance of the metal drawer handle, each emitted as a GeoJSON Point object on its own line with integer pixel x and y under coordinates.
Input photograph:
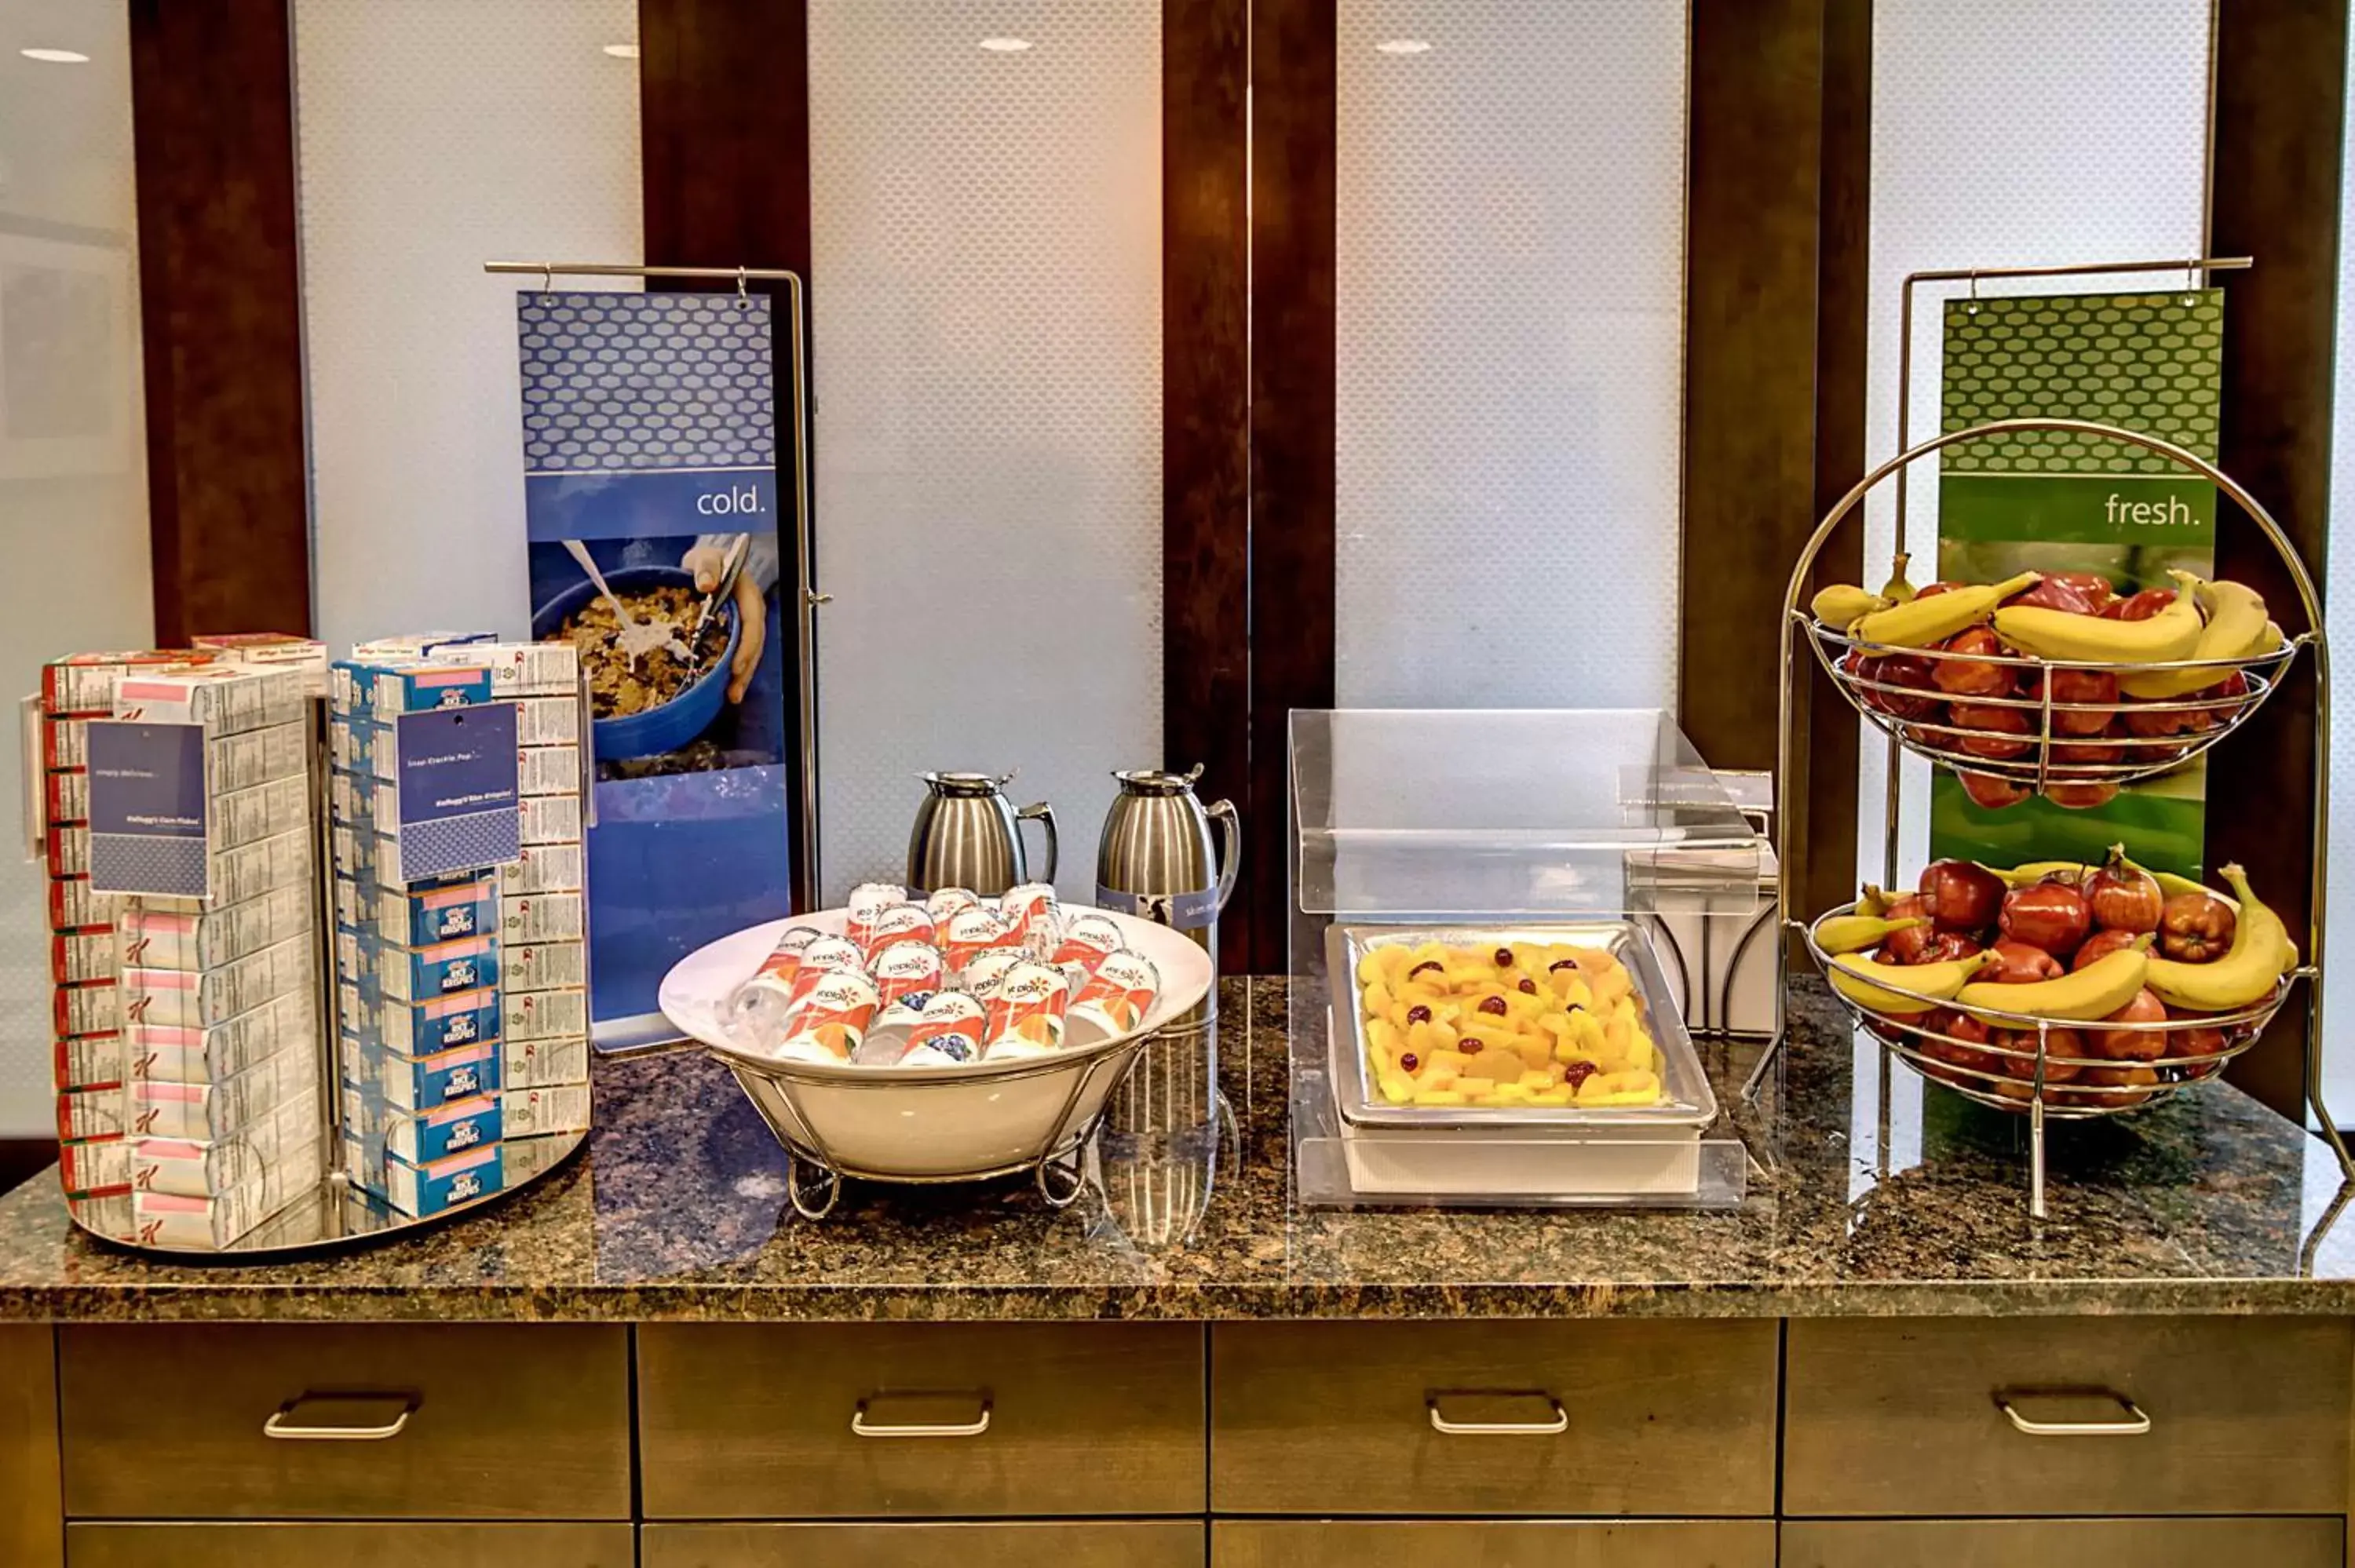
{"type": "Point", "coordinates": [1558, 1422]}
{"type": "Point", "coordinates": [862, 1427]}
{"type": "Point", "coordinates": [2134, 1424]}
{"type": "Point", "coordinates": [278, 1426]}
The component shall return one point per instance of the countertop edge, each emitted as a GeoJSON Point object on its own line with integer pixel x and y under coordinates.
{"type": "Point", "coordinates": [206, 1301]}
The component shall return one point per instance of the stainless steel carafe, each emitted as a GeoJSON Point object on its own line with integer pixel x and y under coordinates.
{"type": "Point", "coordinates": [967, 835]}
{"type": "Point", "coordinates": [1155, 861]}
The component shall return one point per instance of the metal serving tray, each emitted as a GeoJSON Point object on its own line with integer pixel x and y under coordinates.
{"type": "Point", "coordinates": [1689, 1102]}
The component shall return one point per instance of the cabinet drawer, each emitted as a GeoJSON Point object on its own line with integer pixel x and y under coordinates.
{"type": "Point", "coordinates": [349, 1545]}
{"type": "Point", "coordinates": [1135, 1543]}
{"type": "Point", "coordinates": [2080, 1542]}
{"type": "Point", "coordinates": [504, 1421]}
{"type": "Point", "coordinates": [818, 1421]}
{"type": "Point", "coordinates": [1569, 1418]}
{"type": "Point", "coordinates": [1897, 1417]}
{"type": "Point", "coordinates": [1455, 1543]}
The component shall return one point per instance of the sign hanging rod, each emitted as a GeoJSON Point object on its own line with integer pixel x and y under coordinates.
{"type": "Point", "coordinates": [615, 269]}
{"type": "Point", "coordinates": [2082, 270]}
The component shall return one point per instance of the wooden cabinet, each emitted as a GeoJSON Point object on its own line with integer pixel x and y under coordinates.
{"type": "Point", "coordinates": [1490, 1544]}
{"type": "Point", "coordinates": [1131, 1544]}
{"type": "Point", "coordinates": [32, 1511]}
{"type": "Point", "coordinates": [1502, 1418]}
{"type": "Point", "coordinates": [954, 1421]}
{"type": "Point", "coordinates": [1934, 1418]}
{"type": "Point", "coordinates": [350, 1546]}
{"type": "Point", "coordinates": [2079, 1543]}
{"type": "Point", "coordinates": [363, 1420]}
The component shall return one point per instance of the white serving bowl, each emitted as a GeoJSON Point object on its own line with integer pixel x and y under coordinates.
{"type": "Point", "coordinates": [927, 1124]}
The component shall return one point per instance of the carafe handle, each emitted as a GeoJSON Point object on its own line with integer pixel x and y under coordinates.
{"type": "Point", "coordinates": [1044, 815]}
{"type": "Point", "coordinates": [1230, 859]}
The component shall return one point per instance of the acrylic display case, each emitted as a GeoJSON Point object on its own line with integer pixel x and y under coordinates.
{"type": "Point", "coordinates": [1503, 824]}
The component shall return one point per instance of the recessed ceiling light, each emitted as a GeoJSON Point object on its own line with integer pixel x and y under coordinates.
{"type": "Point", "coordinates": [1404, 47]}
{"type": "Point", "coordinates": [623, 51]}
{"type": "Point", "coordinates": [1005, 45]}
{"type": "Point", "coordinates": [56, 57]}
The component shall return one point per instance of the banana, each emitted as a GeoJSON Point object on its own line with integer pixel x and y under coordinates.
{"type": "Point", "coordinates": [2036, 871]}
{"type": "Point", "coordinates": [1897, 590]}
{"type": "Point", "coordinates": [1919, 622]}
{"type": "Point", "coordinates": [2098, 990]}
{"type": "Point", "coordinates": [1862, 980]}
{"type": "Point", "coordinates": [2236, 624]}
{"type": "Point", "coordinates": [1873, 900]}
{"type": "Point", "coordinates": [2171, 885]}
{"type": "Point", "coordinates": [2260, 955]}
{"type": "Point", "coordinates": [1853, 932]}
{"type": "Point", "coordinates": [2269, 642]}
{"type": "Point", "coordinates": [1842, 605]}
{"type": "Point", "coordinates": [2170, 635]}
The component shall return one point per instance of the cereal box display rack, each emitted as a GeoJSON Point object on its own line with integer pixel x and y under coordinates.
{"type": "Point", "coordinates": [270, 1034]}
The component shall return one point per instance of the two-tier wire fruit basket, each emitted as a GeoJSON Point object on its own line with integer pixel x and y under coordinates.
{"type": "Point", "coordinates": [2046, 736]}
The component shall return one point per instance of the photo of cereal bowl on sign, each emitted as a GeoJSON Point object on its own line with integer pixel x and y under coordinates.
{"type": "Point", "coordinates": [676, 687]}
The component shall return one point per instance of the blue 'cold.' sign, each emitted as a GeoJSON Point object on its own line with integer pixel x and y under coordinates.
{"type": "Point", "coordinates": [147, 809]}
{"type": "Point", "coordinates": [459, 808]}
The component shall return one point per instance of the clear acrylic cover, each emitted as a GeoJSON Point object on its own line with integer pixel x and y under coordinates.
{"type": "Point", "coordinates": [1407, 813]}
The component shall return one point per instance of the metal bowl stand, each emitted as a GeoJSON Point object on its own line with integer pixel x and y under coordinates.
{"type": "Point", "coordinates": [1797, 625]}
{"type": "Point", "coordinates": [814, 1174]}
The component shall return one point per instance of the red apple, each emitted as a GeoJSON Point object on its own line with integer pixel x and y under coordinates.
{"type": "Point", "coordinates": [2194, 1041]}
{"type": "Point", "coordinates": [1912, 695]}
{"type": "Point", "coordinates": [1988, 790]}
{"type": "Point", "coordinates": [2094, 588]}
{"type": "Point", "coordinates": [2100, 946]}
{"type": "Point", "coordinates": [2017, 963]}
{"type": "Point", "coordinates": [2052, 915]}
{"type": "Point", "coordinates": [2141, 607]}
{"type": "Point", "coordinates": [2058, 1042]}
{"type": "Point", "coordinates": [2124, 896]}
{"type": "Point", "coordinates": [2054, 594]}
{"type": "Point", "coordinates": [2232, 694]}
{"type": "Point", "coordinates": [2196, 927]}
{"type": "Point", "coordinates": [2135, 1045]}
{"type": "Point", "coordinates": [1974, 676]}
{"type": "Point", "coordinates": [1906, 946]}
{"type": "Point", "coordinates": [1961, 896]}
{"type": "Point", "coordinates": [2085, 753]}
{"type": "Point", "coordinates": [2080, 797]}
{"type": "Point", "coordinates": [1993, 724]}
{"type": "Point", "coordinates": [2083, 700]}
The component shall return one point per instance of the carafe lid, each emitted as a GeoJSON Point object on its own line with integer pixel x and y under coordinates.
{"type": "Point", "coordinates": [1153, 781]}
{"type": "Point", "coordinates": [966, 783]}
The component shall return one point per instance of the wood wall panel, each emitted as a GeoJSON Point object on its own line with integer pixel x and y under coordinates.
{"type": "Point", "coordinates": [723, 110]}
{"type": "Point", "coordinates": [221, 317]}
{"type": "Point", "coordinates": [2279, 117]}
{"type": "Point", "coordinates": [1205, 349]}
{"type": "Point", "coordinates": [1779, 133]}
{"type": "Point", "coordinates": [1843, 305]}
{"type": "Point", "coordinates": [1292, 436]}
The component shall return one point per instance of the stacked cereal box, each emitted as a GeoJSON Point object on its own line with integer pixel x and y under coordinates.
{"type": "Point", "coordinates": [418, 958]}
{"type": "Point", "coordinates": [544, 969]}
{"type": "Point", "coordinates": [217, 983]}
{"type": "Point", "coordinates": [272, 648]}
{"type": "Point", "coordinates": [94, 1151]}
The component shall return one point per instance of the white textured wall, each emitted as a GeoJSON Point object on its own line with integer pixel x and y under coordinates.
{"type": "Point", "coordinates": [434, 135]}
{"type": "Point", "coordinates": [73, 471]}
{"type": "Point", "coordinates": [986, 297]}
{"type": "Point", "coordinates": [1509, 279]}
{"type": "Point", "coordinates": [2011, 133]}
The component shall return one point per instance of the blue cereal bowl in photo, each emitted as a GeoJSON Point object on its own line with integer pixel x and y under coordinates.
{"type": "Point", "coordinates": [668, 725]}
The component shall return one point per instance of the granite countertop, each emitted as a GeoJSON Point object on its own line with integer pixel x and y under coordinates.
{"type": "Point", "coordinates": [1870, 1193]}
